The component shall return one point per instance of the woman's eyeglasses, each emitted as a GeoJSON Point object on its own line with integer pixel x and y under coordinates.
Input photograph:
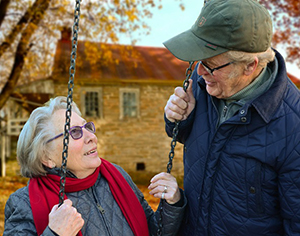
{"type": "Point", "coordinates": [76, 131]}
{"type": "Point", "coordinates": [210, 71]}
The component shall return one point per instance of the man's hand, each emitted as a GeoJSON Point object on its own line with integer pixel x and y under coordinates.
{"type": "Point", "coordinates": [180, 104]}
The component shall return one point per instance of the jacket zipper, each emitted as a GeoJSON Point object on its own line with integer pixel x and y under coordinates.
{"type": "Point", "coordinates": [100, 208]}
{"type": "Point", "coordinates": [212, 101]}
{"type": "Point", "coordinates": [102, 211]}
{"type": "Point", "coordinates": [225, 109]}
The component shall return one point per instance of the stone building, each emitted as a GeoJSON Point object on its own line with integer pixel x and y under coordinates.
{"type": "Point", "coordinates": [124, 98]}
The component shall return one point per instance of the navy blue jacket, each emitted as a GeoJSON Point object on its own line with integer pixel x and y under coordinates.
{"type": "Point", "coordinates": [243, 177]}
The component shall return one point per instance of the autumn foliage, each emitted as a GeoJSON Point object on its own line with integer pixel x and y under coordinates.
{"type": "Point", "coordinates": [286, 15]}
{"type": "Point", "coordinates": [30, 29]}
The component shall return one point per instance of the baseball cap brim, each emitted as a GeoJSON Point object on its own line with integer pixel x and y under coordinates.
{"type": "Point", "coordinates": [189, 47]}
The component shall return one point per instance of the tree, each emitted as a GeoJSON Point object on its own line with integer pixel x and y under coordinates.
{"type": "Point", "coordinates": [286, 14]}
{"type": "Point", "coordinates": [29, 30]}
{"type": "Point", "coordinates": [27, 24]}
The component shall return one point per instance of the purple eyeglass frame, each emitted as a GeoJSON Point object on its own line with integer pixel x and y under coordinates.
{"type": "Point", "coordinates": [94, 130]}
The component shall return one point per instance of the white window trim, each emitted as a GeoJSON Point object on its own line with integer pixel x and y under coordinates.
{"type": "Point", "coordinates": [100, 100]}
{"type": "Point", "coordinates": [129, 90]}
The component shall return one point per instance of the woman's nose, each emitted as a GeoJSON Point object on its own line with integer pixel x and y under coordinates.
{"type": "Point", "coordinates": [89, 136]}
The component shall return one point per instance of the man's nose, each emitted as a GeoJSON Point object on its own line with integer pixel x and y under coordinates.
{"type": "Point", "coordinates": [201, 70]}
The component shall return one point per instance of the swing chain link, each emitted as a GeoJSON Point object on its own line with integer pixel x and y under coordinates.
{"type": "Point", "coordinates": [69, 102]}
{"type": "Point", "coordinates": [188, 74]}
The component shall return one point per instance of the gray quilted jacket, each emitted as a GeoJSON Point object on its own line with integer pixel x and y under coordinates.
{"type": "Point", "coordinates": [100, 211]}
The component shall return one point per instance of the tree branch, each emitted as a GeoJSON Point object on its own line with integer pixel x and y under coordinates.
{"type": "Point", "coordinates": [21, 24]}
{"type": "Point", "coordinates": [22, 50]}
{"type": "Point", "coordinates": [3, 9]}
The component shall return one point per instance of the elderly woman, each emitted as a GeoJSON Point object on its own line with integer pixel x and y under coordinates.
{"type": "Point", "coordinates": [101, 198]}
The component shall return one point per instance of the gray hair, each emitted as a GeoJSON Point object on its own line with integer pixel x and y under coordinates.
{"type": "Point", "coordinates": [245, 57]}
{"type": "Point", "coordinates": [32, 143]}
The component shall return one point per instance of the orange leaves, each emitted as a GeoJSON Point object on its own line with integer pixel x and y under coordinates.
{"type": "Point", "coordinates": [39, 23]}
{"type": "Point", "coordinates": [285, 15]}
{"type": "Point", "coordinates": [131, 14]}
{"type": "Point", "coordinates": [8, 185]}
{"type": "Point", "coordinates": [152, 201]}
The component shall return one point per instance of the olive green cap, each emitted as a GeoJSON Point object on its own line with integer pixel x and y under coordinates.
{"type": "Point", "coordinates": [223, 25]}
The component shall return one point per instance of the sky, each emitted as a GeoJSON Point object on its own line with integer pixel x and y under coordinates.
{"type": "Point", "coordinates": [171, 20]}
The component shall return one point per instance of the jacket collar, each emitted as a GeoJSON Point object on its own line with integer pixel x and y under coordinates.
{"type": "Point", "coordinates": [267, 104]}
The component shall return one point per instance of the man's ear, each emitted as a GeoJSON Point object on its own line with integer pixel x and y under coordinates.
{"type": "Point", "coordinates": [251, 67]}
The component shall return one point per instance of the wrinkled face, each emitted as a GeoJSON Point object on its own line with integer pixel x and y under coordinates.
{"type": "Point", "coordinates": [224, 82]}
{"type": "Point", "coordinates": [83, 157]}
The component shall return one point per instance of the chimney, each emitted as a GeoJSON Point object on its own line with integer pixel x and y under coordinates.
{"type": "Point", "coordinates": [66, 34]}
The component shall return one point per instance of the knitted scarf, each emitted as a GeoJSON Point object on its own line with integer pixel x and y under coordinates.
{"type": "Point", "coordinates": [43, 195]}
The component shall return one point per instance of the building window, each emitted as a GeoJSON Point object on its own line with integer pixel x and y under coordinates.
{"type": "Point", "coordinates": [129, 103]}
{"type": "Point", "coordinates": [140, 166]}
{"type": "Point", "coordinates": [91, 102]}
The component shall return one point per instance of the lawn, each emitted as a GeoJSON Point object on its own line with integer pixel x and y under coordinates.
{"type": "Point", "coordinates": [13, 181]}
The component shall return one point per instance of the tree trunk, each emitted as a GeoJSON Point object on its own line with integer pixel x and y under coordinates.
{"type": "Point", "coordinates": [31, 12]}
{"type": "Point", "coordinates": [22, 50]}
{"type": "Point", "coordinates": [3, 9]}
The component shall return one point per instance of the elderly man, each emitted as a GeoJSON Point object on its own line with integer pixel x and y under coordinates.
{"type": "Point", "coordinates": [239, 123]}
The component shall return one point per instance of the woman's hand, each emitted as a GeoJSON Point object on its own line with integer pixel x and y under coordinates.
{"type": "Point", "coordinates": [65, 220]}
{"type": "Point", "coordinates": [164, 185]}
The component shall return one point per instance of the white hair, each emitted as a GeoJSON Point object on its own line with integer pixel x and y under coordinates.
{"type": "Point", "coordinates": [245, 57]}
{"type": "Point", "coordinates": [32, 143]}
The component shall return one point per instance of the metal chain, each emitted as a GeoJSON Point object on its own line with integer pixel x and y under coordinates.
{"type": "Point", "coordinates": [185, 85]}
{"type": "Point", "coordinates": [69, 102]}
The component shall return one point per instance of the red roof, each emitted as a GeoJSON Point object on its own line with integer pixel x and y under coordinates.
{"type": "Point", "coordinates": [140, 64]}
{"type": "Point", "coordinates": [133, 64]}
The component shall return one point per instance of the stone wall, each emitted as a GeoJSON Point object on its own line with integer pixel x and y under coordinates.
{"type": "Point", "coordinates": [134, 143]}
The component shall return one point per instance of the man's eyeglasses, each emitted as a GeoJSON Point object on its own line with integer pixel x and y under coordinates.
{"type": "Point", "coordinates": [210, 71]}
{"type": "Point", "coordinates": [76, 131]}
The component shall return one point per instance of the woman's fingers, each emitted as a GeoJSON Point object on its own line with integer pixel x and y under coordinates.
{"type": "Point", "coordinates": [65, 220]}
{"type": "Point", "coordinates": [164, 185]}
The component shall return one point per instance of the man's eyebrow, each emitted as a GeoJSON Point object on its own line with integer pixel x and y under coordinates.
{"type": "Point", "coordinates": [211, 63]}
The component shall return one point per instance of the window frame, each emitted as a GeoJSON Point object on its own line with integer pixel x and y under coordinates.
{"type": "Point", "coordinates": [136, 91]}
{"type": "Point", "coordinates": [98, 90]}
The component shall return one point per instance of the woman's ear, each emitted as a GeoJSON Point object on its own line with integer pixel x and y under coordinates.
{"type": "Point", "coordinates": [48, 162]}
{"type": "Point", "coordinates": [251, 67]}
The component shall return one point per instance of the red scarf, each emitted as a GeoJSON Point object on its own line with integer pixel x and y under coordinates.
{"type": "Point", "coordinates": [43, 195]}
